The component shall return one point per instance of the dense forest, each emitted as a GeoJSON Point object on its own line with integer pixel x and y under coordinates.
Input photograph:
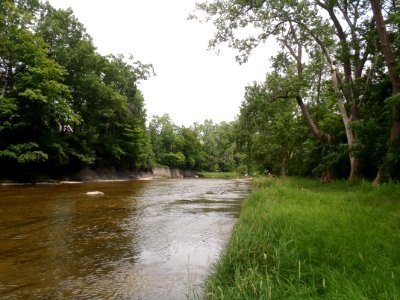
{"type": "Point", "coordinates": [63, 106]}
{"type": "Point", "coordinates": [329, 105]}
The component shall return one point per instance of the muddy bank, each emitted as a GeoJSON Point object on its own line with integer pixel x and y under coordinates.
{"type": "Point", "coordinates": [173, 173]}
{"type": "Point", "coordinates": [109, 174]}
{"type": "Point", "coordinates": [112, 174]}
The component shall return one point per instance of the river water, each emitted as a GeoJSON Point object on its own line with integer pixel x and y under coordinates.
{"type": "Point", "coordinates": [141, 240]}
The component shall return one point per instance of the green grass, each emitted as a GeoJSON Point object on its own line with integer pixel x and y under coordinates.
{"type": "Point", "coordinates": [227, 175]}
{"type": "Point", "coordinates": [299, 239]}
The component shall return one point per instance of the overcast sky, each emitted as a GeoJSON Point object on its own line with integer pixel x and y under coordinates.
{"type": "Point", "coordinates": [192, 84]}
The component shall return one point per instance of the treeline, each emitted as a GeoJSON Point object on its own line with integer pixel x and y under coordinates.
{"type": "Point", "coordinates": [201, 147]}
{"type": "Point", "coordinates": [63, 106]}
{"type": "Point", "coordinates": [330, 104]}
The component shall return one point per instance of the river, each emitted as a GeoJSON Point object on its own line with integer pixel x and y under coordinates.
{"type": "Point", "coordinates": [140, 240]}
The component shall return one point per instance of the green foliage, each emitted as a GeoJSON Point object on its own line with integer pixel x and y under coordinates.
{"type": "Point", "coordinates": [79, 108]}
{"type": "Point", "coordinates": [24, 153]}
{"type": "Point", "coordinates": [219, 141]}
{"type": "Point", "coordinates": [174, 160]}
{"type": "Point", "coordinates": [206, 147]}
{"type": "Point", "coordinates": [76, 107]}
{"type": "Point", "coordinates": [272, 132]}
{"type": "Point", "coordinates": [8, 110]}
{"type": "Point", "coordinates": [315, 38]}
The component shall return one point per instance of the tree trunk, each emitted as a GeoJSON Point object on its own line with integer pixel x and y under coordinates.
{"type": "Point", "coordinates": [283, 162]}
{"type": "Point", "coordinates": [316, 131]}
{"type": "Point", "coordinates": [354, 161]}
{"type": "Point", "coordinates": [310, 122]}
{"type": "Point", "coordinates": [327, 175]}
{"type": "Point", "coordinates": [8, 74]}
{"type": "Point", "coordinates": [394, 76]}
{"type": "Point", "coordinates": [379, 176]}
{"type": "Point", "coordinates": [385, 45]}
{"type": "Point", "coordinates": [351, 138]}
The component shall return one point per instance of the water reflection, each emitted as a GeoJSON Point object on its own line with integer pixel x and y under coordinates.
{"type": "Point", "coordinates": [141, 240]}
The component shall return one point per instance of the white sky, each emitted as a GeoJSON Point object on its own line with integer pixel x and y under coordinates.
{"type": "Point", "coordinates": [192, 84]}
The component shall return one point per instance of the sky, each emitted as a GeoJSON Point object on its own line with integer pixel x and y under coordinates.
{"type": "Point", "coordinates": [191, 83]}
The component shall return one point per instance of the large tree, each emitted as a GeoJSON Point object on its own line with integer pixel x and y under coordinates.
{"type": "Point", "coordinates": [104, 94]}
{"type": "Point", "coordinates": [33, 99]}
{"type": "Point", "coordinates": [341, 30]}
{"type": "Point", "coordinates": [268, 129]}
{"type": "Point", "coordinates": [219, 146]}
{"type": "Point", "coordinates": [394, 76]}
{"type": "Point", "coordinates": [63, 106]}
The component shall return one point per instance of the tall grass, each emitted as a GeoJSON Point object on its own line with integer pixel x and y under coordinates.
{"type": "Point", "coordinates": [298, 239]}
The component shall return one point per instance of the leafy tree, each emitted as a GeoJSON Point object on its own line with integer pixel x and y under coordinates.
{"type": "Point", "coordinates": [268, 124]}
{"type": "Point", "coordinates": [62, 105]}
{"type": "Point", "coordinates": [208, 136]}
{"type": "Point", "coordinates": [229, 157]}
{"type": "Point", "coordinates": [206, 147]}
{"type": "Point", "coordinates": [162, 133]}
{"type": "Point", "coordinates": [33, 100]}
{"type": "Point", "coordinates": [275, 136]}
{"type": "Point", "coordinates": [114, 133]}
{"type": "Point", "coordinates": [219, 152]}
{"type": "Point", "coordinates": [174, 160]}
{"type": "Point", "coordinates": [174, 146]}
{"type": "Point", "coordinates": [342, 31]}
{"type": "Point", "coordinates": [191, 148]}
{"type": "Point", "coordinates": [394, 76]}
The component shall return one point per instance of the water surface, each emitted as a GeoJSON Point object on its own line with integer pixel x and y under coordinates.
{"type": "Point", "coordinates": [141, 240]}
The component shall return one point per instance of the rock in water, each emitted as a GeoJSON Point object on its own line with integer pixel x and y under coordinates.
{"type": "Point", "coordinates": [95, 193]}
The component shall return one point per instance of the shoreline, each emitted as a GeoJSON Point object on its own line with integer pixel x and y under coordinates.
{"type": "Point", "coordinates": [71, 182]}
{"type": "Point", "coordinates": [100, 180]}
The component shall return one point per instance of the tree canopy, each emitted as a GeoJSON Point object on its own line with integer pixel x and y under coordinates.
{"type": "Point", "coordinates": [330, 63]}
{"type": "Point", "coordinates": [63, 106]}
{"type": "Point", "coordinates": [329, 104]}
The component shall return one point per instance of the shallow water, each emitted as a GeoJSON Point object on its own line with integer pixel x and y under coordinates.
{"type": "Point", "coordinates": [141, 240]}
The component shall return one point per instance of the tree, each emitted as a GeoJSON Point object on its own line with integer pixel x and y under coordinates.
{"type": "Point", "coordinates": [62, 105]}
{"type": "Point", "coordinates": [162, 133]}
{"type": "Point", "coordinates": [33, 100]}
{"type": "Point", "coordinates": [208, 136]}
{"type": "Point", "coordinates": [104, 93]}
{"type": "Point", "coordinates": [305, 24]}
{"type": "Point", "coordinates": [268, 129]}
{"type": "Point", "coordinates": [229, 157]}
{"type": "Point", "coordinates": [273, 132]}
{"type": "Point", "coordinates": [394, 76]}
{"type": "Point", "coordinates": [218, 146]}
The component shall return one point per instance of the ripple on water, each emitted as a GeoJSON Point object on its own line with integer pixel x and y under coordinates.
{"type": "Point", "coordinates": [142, 240]}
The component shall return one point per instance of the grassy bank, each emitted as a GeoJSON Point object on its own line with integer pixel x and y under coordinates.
{"type": "Point", "coordinates": [227, 175]}
{"type": "Point", "coordinates": [298, 239]}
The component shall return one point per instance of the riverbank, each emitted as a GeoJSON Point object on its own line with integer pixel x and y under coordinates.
{"type": "Point", "coordinates": [110, 174]}
{"type": "Point", "coordinates": [100, 175]}
{"type": "Point", "coordinates": [299, 239]}
{"type": "Point", "coordinates": [222, 175]}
